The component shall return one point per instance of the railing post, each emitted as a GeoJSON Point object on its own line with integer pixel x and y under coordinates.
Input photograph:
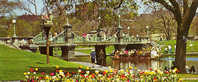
{"type": "Point", "coordinates": [68, 34]}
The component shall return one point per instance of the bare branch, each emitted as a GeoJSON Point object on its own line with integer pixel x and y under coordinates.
{"type": "Point", "coordinates": [119, 5]}
{"type": "Point", "coordinates": [190, 13]}
{"type": "Point", "coordinates": [165, 4]}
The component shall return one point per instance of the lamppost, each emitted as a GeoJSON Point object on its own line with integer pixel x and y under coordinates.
{"type": "Point", "coordinates": [14, 22]}
{"type": "Point", "coordinates": [147, 32]}
{"type": "Point", "coordinates": [119, 29]}
{"type": "Point", "coordinates": [99, 29]}
{"type": "Point", "coordinates": [46, 28]}
{"type": "Point", "coordinates": [128, 29]}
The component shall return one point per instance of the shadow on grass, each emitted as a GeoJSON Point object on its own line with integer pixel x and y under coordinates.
{"type": "Point", "coordinates": [53, 69]}
{"type": "Point", "coordinates": [49, 70]}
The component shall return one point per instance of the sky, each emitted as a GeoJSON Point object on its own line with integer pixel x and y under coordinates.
{"type": "Point", "coordinates": [40, 6]}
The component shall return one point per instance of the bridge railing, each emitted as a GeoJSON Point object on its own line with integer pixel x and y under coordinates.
{"type": "Point", "coordinates": [109, 39]}
{"type": "Point", "coordinates": [40, 38]}
{"type": "Point", "coordinates": [60, 39]}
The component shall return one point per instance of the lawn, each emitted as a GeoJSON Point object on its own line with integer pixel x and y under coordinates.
{"type": "Point", "coordinates": [188, 76]}
{"type": "Point", "coordinates": [13, 63]}
{"type": "Point", "coordinates": [192, 46]}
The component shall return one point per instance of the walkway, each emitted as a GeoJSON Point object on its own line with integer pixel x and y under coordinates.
{"type": "Point", "coordinates": [80, 54]}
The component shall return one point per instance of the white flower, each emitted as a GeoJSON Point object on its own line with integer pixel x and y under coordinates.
{"type": "Point", "coordinates": [131, 71]}
{"type": "Point", "coordinates": [53, 77]}
{"type": "Point", "coordinates": [26, 76]}
{"type": "Point", "coordinates": [87, 72]}
{"type": "Point", "coordinates": [96, 71]}
{"type": "Point", "coordinates": [121, 71]}
{"type": "Point", "coordinates": [79, 70]}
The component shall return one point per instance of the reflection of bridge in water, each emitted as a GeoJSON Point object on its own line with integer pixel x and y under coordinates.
{"type": "Point", "coordinates": [67, 41]}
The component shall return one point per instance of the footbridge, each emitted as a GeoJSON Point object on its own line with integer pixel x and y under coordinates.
{"type": "Point", "coordinates": [68, 40]}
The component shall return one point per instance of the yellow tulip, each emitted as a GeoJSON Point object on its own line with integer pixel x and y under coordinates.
{"type": "Point", "coordinates": [60, 70]}
{"type": "Point", "coordinates": [68, 80]}
{"type": "Point", "coordinates": [180, 80]}
{"type": "Point", "coordinates": [130, 67]}
{"type": "Point", "coordinates": [57, 67]}
{"type": "Point", "coordinates": [111, 70]}
{"type": "Point", "coordinates": [127, 70]}
{"type": "Point", "coordinates": [36, 69]}
{"type": "Point", "coordinates": [25, 73]}
{"type": "Point", "coordinates": [87, 68]}
{"type": "Point", "coordinates": [106, 71]}
{"type": "Point", "coordinates": [80, 67]}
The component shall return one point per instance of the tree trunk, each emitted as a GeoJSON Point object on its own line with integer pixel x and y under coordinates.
{"type": "Point", "coordinates": [180, 57]}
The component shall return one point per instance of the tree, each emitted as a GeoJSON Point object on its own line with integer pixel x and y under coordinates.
{"type": "Point", "coordinates": [184, 12]}
{"type": "Point", "coordinates": [7, 7]}
{"type": "Point", "coordinates": [166, 22]}
{"type": "Point", "coordinates": [30, 6]}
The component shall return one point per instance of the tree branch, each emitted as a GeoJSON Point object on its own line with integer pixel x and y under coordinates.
{"type": "Point", "coordinates": [185, 6]}
{"type": "Point", "coordinates": [165, 4]}
{"type": "Point", "coordinates": [118, 5]}
{"type": "Point", "coordinates": [190, 13]}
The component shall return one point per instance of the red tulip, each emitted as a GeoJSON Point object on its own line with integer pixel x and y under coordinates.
{"type": "Point", "coordinates": [104, 73]}
{"type": "Point", "coordinates": [31, 70]}
{"type": "Point", "coordinates": [177, 71]}
{"type": "Point", "coordinates": [166, 72]}
{"type": "Point", "coordinates": [43, 73]}
{"type": "Point", "coordinates": [57, 70]}
{"type": "Point", "coordinates": [52, 74]}
{"type": "Point", "coordinates": [93, 76]}
{"type": "Point", "coordinates": [155, 78]}
{"type": "Point", "coordinates": [82, 75]}
{"type": "Point", "coordinates": [141, 72]}
{"type": "Point", "coordinates": [150, 69]}
{"type": "Point", "coordinates": [123, 76]}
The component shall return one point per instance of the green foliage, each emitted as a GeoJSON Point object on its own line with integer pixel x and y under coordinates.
{"type": "Point", "coordinates": [13, 63]}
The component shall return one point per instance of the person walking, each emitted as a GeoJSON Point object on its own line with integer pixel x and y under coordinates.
{"type": "Point", "coordinates": [93, 57]}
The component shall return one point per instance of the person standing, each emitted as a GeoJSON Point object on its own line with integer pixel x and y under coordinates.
{"type": "Point", "coordinates": [93, 57]}
{"type": "Point", "coordinates": [169, 49]}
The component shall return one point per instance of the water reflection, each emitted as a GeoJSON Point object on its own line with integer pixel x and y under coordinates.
{"type": "Point", "coordinates": [144, 64]}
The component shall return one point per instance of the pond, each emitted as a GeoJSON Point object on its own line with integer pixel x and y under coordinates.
{"type": "Point", "coordinates": [144, 64]}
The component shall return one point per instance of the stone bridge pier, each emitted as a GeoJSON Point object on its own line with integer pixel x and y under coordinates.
{"type": "Point", "coordinates": [43, 50]}
{"type": "Point", "coordinates": [67, 52]}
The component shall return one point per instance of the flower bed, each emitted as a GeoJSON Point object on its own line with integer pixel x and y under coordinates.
{"type": "Point", "coordinates": [128, 75]}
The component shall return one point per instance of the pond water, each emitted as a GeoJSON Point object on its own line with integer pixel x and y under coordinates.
{"type": "Point", "coordinates": [144, 64]}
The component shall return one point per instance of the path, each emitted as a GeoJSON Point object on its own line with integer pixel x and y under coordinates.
{"type": "Point", "coordinates": [80, 54]}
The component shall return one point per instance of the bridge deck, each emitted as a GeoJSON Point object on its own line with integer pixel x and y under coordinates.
{"type": "Point", "coordinates": [92, 43]}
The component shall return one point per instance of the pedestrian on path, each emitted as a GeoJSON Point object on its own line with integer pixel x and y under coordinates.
{"type": "Point", "coordinates": [93, 57]}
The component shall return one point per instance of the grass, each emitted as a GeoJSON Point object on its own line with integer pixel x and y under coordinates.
{"type": "Point", "coordinates": [193, 48]}
{"type": "Point", "coordinates": [13, 63]}
{"type": "Point", "coordinates": [188, 76]}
